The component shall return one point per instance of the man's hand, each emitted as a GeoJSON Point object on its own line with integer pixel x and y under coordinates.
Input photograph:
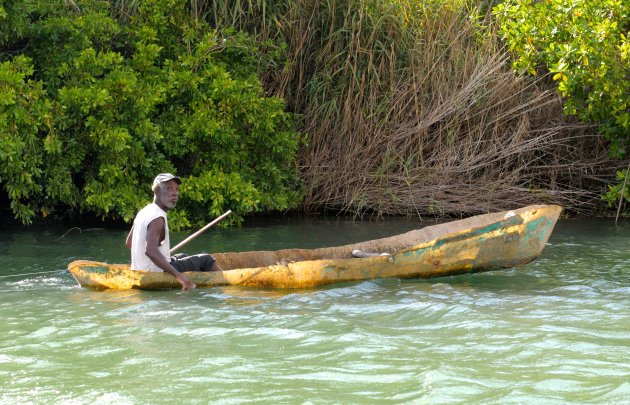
{"type": "Point", "coordinates": [185, 282]}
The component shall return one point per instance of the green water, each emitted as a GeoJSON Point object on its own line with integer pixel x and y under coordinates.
{"type": "Point", "coordinates": [556, 331]}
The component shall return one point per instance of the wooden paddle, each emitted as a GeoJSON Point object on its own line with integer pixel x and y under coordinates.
{"type": "Point", "coordinates": [199, 232]}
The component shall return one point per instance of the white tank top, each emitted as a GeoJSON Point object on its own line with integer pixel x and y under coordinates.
{"type": "Point", "coordinates": [139, 260]}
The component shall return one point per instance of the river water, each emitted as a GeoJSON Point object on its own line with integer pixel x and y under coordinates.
{"type": "Point", "coordinates": [555, 331]}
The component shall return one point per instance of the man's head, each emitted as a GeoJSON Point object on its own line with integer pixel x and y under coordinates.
{"type": "Point", "coordinates": [166, 190]}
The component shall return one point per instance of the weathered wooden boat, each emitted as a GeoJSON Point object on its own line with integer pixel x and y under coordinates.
{"type": "Point", "coordinates": [480, 243]}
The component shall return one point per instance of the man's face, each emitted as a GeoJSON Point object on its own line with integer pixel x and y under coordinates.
{"type": "Point", "coordinates": [168, 194]}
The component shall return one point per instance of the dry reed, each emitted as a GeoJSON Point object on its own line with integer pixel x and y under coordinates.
{"type": "Point", "coordinates": [419, 115]}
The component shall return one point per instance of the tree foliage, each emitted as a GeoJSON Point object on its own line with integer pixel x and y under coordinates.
{"type": "Point", "coordinates": [94, 107]}
{"type": "Point", "coordinates": [584, 45]}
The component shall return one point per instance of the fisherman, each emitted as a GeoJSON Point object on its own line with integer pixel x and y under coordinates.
{"type": "Point", "coordinates": [149, 240]}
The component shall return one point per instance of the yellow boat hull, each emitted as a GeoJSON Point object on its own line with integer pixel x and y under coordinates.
{"type": "Point", "coordinates": [481, 243]}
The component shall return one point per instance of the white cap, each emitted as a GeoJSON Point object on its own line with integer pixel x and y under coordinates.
{"type": "Point", "coordinates": [162, 177]}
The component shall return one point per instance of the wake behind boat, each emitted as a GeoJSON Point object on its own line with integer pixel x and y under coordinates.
{"type": "Point", "coordinates": [480, 243]}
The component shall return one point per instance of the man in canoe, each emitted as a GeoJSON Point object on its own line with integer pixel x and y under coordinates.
{"type": "Point", "coordinates": [149, 236]}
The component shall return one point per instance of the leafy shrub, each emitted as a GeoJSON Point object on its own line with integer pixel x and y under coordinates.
{"type": "Point", "coordinates": [24, 113]}
{"type": "Point", "coordinates": [584, 44]}
{"type": "Point", "coordinates": [13, 20]}
{"type": "Point", "coordinates": [110, 104]}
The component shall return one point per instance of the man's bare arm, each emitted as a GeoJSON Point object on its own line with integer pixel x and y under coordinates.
{"type": "Point", "coordinates": [153, 242]}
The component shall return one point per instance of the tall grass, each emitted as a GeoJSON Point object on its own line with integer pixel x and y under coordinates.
{"type": "Point", "coordinates": [411, 108]}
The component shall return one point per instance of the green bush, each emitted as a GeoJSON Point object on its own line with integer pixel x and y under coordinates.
{"type": "Point", "coordinates": [105, 105]}
{"type": "Point", "coordinates": [619, 190]}
{"type": "Point", "coordinates": [24, 115]}
{"type": "Point", "coordinates": [584, 44]}
{"type": "Point", "coordinates": [14, 20]}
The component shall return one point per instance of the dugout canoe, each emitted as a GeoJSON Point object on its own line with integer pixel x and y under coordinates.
{"type": "Point", "coordinates": [480, 243]}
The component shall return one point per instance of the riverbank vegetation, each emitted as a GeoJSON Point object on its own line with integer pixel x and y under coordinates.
{"type": "Point", "coordinates": [382, 107]}
{"type": "Point", "coordinates": [94, 107]}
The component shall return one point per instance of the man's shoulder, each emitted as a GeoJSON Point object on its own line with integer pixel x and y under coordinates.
{"type": "Point", "coordinates": [151, 207]}
{"type": "Point", "coordinates": [151, 211]}
{"type": "Point", "coordinates": [147, 207]}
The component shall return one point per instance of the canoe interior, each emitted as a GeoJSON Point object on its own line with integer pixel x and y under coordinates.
{"type": "Point", "coordinates": [391, 245]}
